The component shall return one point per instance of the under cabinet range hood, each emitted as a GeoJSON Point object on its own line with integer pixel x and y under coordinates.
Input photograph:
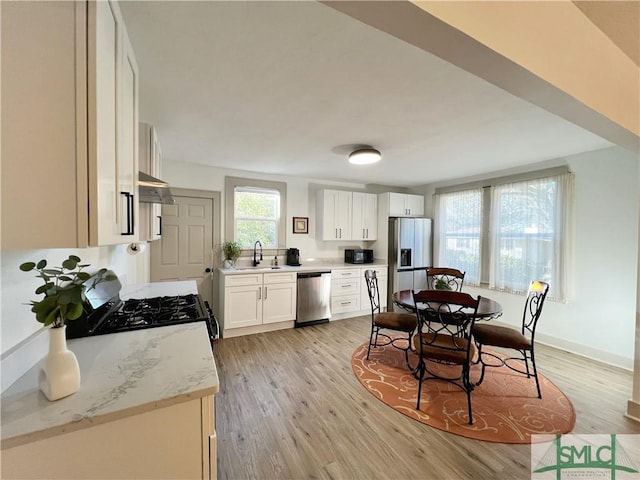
{"type": "Point", "coordinates": [152, 190]}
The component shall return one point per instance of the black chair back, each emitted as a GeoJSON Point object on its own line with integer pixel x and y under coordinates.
{"type": "Point", "coordinates": [533, 307]}
{"type": "Point", "coordinates": [372, 289]}
{"type": "Point", "coordinates": [439, 278]}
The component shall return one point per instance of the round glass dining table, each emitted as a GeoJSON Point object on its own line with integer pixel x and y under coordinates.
{"type": "Point", "coordinates": [487, 308]}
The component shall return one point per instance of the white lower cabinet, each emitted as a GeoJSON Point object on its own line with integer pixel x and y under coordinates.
{"type": "Point", "coordinates": [178, 441]}
{"type": "Point", "coordinates": [255, 299]}
{"type": "Point", "coordinates": [345, 290]}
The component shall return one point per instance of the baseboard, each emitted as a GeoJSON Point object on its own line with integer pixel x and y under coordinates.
{"type": "Point", "coordinates": [601, 356]}
{"type": "Point", "coordinates": [20, 358]}
{"type": "Point", "coordinates": [267, 327]}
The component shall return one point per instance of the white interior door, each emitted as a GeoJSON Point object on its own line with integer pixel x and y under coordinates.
{"type": "Point", "coordinates": [185, 250]}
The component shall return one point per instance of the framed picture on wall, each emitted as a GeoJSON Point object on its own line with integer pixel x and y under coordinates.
{"type": "Point", "coordinates": [300, 224]}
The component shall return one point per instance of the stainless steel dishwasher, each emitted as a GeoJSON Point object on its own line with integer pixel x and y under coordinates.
{"type": "Point", "coordinates": [314, 298]}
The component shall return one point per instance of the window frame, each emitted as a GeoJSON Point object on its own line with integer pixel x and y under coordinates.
{"type": "Point", "coordinates": [231, 183]}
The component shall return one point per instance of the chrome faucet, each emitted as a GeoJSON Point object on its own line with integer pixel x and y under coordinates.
{"type": "Point", "coordinates": [257, 262]}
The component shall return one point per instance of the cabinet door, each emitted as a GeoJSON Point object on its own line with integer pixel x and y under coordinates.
{"type": "Point", "coordinates": [358, 231]}
{"type": "Point", "coordinates": [242, 306]}
{"type": "Point", "coordinates": [344, 214]}
{"type": "Point", "coordinates": [149, 157]}
{"type": "Point", "coordinates": [397, 205]}
{"type": "Point", "coordinates": [105, 72]}
{"type": "Point", "coordinates": [335, 214]}
{"type": "Point", "coordinates": [279, 302]}
{"type": "Point", "coordinates": [128, 142]}
{"type": "Point", "coordinates": [156, 208]}
{"type": "Point", "coordinates": [415, 205]}
{"type": "Point", "coordinates": [370, 216]}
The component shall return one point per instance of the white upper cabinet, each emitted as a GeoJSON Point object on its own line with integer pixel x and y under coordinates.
{"type": "Point", "coordinates": [404, 204]}
{"type": "Point", "coordinates": [334, 212]}
{"type": "Point", "coordinates": [150, 159]}
{"type": "Point", "coordinates": [365, 216]}
{"type": "Point", "coordinates": [69, 126]}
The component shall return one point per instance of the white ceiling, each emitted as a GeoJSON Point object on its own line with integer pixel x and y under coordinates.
{"type": "Point", "coordinates": [291, 87]}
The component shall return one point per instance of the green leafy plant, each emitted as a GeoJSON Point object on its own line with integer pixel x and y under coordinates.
{"type": "Point", "coordinates": [63, 289]}
{"type": "Point", "coordinates": [231, 250]}
{"type": "Point", "coordinates": [442, 285]}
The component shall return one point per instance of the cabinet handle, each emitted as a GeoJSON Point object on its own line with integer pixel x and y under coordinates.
{"type": "Point", "coordinates": [336, 233]}
{"type": "Point", "coordinates": [346, 286]}
{"type": "Point", "coordinates": [130, 223]}
{"type": "Point", "coordinates": [345, 303]}
{"type": "Point", "coordinates": [159, 224]}
{"type": "Point", "coordinates": [266, 291]}
{"type": "Point", "coordinates": [259, 293]}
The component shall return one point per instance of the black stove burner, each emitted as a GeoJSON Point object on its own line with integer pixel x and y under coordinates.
{"type": "Point", "coordinates": [147, 312]}
{"type": "Point", "coordinates": [114, 315]}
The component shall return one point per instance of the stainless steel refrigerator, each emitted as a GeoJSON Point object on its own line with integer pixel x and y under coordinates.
{"type": "Point", "coordinates": [409, 254]}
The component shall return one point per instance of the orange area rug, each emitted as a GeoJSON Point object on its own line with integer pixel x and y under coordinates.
{"type": "Point", "coordinates": [506, 407]}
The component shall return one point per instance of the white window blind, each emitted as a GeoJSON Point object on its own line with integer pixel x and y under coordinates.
{"type": "Point", "coordinates": [458, 232]}
{"type": "Point", "coordinates": [510, 234]}
{"type": "Point", "coordinates": [531, 234]}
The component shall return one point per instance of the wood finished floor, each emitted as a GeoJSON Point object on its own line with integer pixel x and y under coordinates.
{"type": "Point", "coordinates": [290, 407]}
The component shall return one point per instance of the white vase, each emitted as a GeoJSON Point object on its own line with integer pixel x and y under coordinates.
{"type": "Point", "coordinates": [60, 373]}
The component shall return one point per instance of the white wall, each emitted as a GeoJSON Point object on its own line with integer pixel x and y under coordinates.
{"type": "Point", "coordinates": [599, 321]}
{"type": "Point", "coordinates": [301, 202]}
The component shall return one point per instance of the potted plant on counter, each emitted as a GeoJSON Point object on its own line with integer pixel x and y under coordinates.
{"type": "Point", "coordinates": [63, 288]}
{"type": "Point", "coordinates": [231, 251]}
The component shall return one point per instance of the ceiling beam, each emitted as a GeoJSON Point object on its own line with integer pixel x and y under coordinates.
{"type": "Point", "coordinates": [529, 52]}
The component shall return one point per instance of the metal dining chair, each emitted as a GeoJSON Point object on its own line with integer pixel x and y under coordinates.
{"type": "Point", "coordinates": [445, 278]}
{"type": "Point", "coordinates": [521, 340]}
{"type": "Point", "coordinates": [398, 321]}
{"type": "Point", "coordinates": [445, 322]}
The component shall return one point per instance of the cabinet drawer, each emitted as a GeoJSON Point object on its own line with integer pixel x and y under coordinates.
{"type": "Point", "coordinates": [345, 273]}
{"type": "Point", "coordinates": [345, 303]}
{"type": "Point", "coordinates": [380, 271]}
{"type": "Point", "coordinates": [245, 279]}
{"type": "Point", "coordinates": [345, 286]}
{"type": "Point", "coordinates": [288, 277]}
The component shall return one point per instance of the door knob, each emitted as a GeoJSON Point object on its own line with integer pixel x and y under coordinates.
{"type": "Point", "coordinates": [207, 270]}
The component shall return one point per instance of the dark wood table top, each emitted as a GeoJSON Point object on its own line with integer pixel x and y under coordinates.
{"type": "Point", "coordinates": [487, 308]}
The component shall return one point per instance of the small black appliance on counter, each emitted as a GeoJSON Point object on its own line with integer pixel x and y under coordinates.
{"type": "Point", "coordinates": [358, 255]}
{"type": "Point", "coordinates": [293, 257]}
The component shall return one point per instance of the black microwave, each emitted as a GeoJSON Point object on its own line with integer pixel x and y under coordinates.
{"type": "Point", "coordinates": [358, 255]}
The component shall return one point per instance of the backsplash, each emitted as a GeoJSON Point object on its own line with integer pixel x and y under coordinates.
{"type": "Point", "coordinates": [22, 343]}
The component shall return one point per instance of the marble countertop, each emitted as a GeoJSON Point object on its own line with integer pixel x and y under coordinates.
{"type": "Point", "coordinates": [307, 266]}
{"type": "Point", "coordinates": [122, 374]}
{"type": "Point", "coordinates": [158, 289]}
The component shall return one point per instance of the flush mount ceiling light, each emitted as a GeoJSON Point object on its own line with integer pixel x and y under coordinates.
{"type": "Point", "coordinates": [364, 156]}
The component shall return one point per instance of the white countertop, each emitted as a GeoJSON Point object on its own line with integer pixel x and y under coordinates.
{"type": "Point", "coordinates": [158, 289]}
{"type": "Point", "coordinates": [122, 374]}
{"type": "Point", "coordinates": [307, 266]}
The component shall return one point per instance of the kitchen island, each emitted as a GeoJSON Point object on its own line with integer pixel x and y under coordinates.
{"type": "Point", "coordinates": [145, 409]}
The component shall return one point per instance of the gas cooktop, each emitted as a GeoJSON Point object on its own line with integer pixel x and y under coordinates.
{"type": "Point", "coordinates": [106, 313]}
